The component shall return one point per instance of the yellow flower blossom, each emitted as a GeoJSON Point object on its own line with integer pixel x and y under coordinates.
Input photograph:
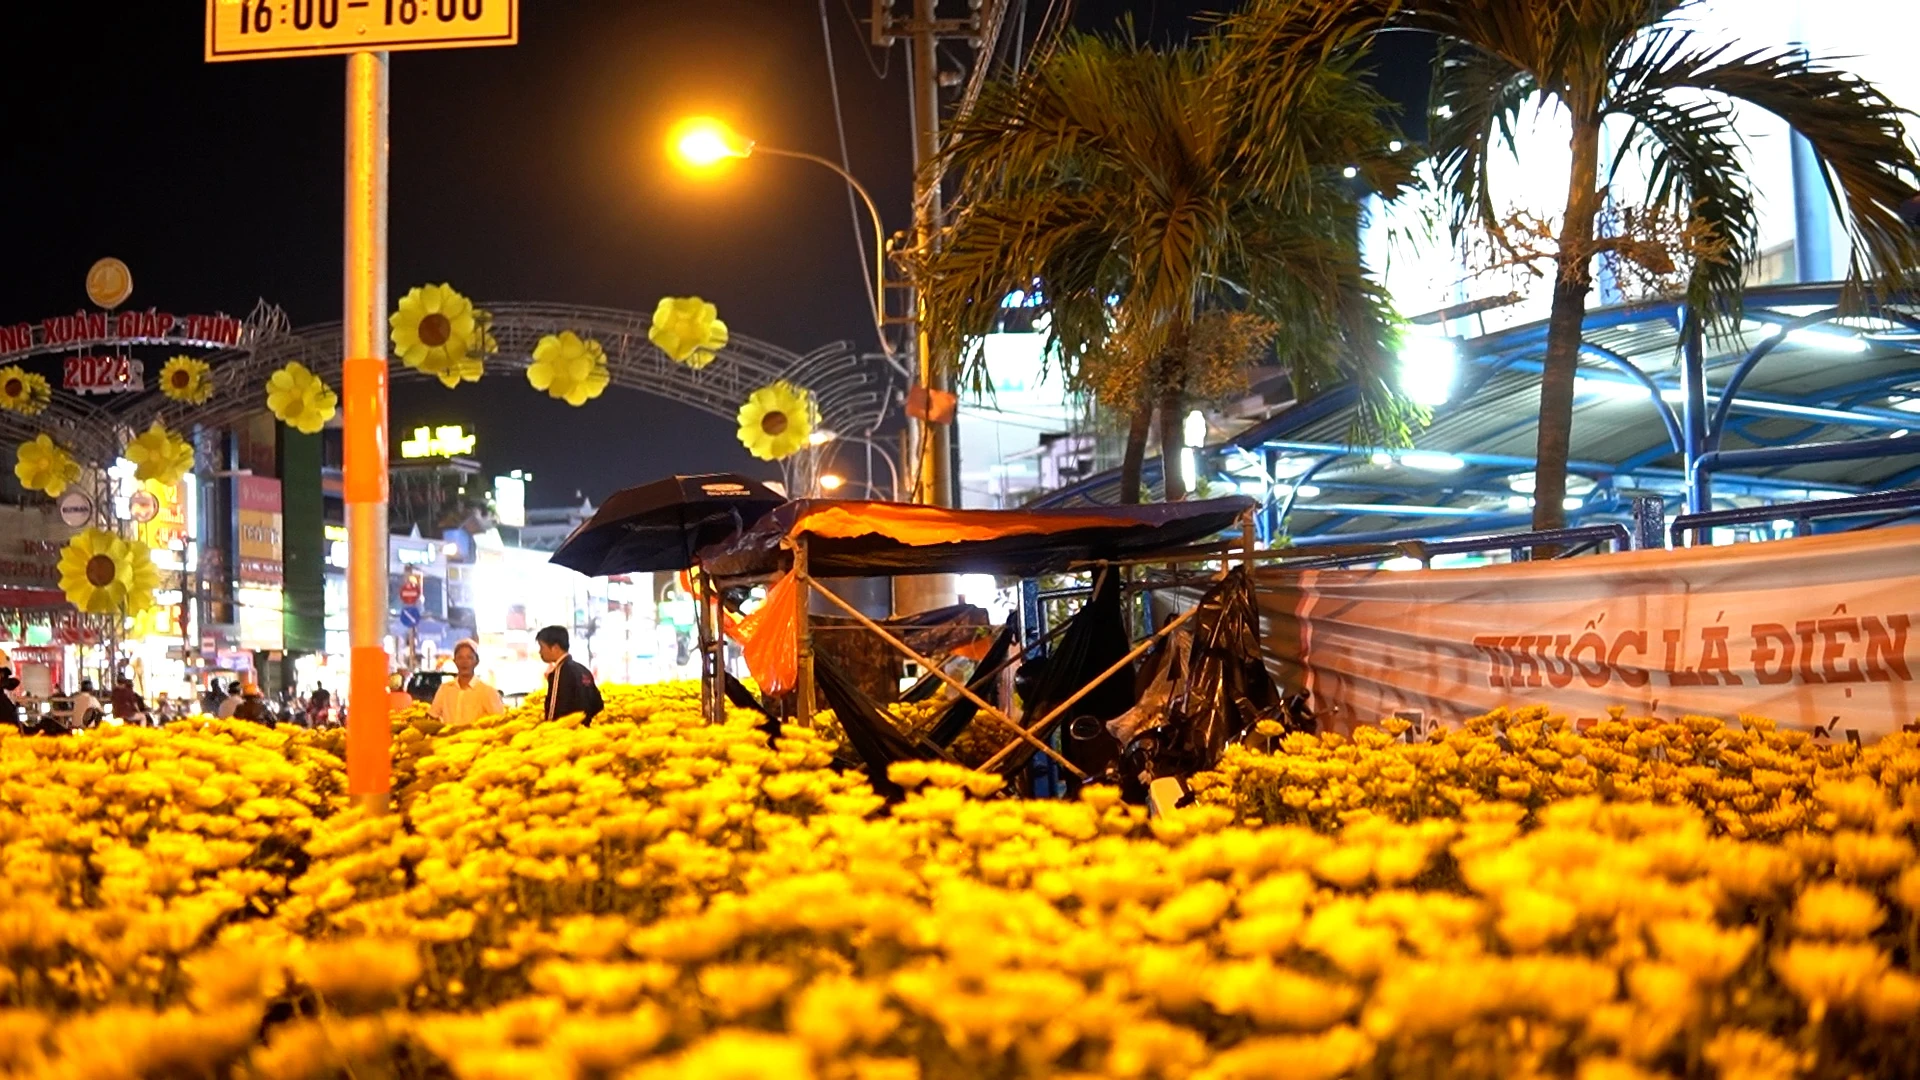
{"type": "Point", "coordinates": [187, 380]}
{"type": "Point", "coordinates": [24, 392]}
{"type": "Point", "coordinates": [687, 329]}
{"type": "Point", "coordinates": [299, 399]}
{"type": "Point", "coordinates": [569, 368]}
{"type": "Point", "coordinates": [42, 465]}
{"type": "Point", "coordinates": [159, 456]}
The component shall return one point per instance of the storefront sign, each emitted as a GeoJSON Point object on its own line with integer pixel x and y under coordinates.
{"type": "Point", "coordinates": [262, 620]}
{"type": "Point", "coordinates": [259, 506]}
{"type": "Point", "coordinates": [1818, 632]}
{"type": "Point", "coordinates": [76, 509]}
{"type": "Point", "coordinates": [85, 330]}
{"type": "Point", "coordinates": [448, 441]}
{"type": "Point", "coordinates": [263, 29]}
{"type": "Point", "coordinates": [103, 375]}
{"type": "Point", "coordinates": [30, 543]}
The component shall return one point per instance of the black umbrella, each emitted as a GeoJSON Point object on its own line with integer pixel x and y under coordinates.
{"type": "Point", "coordinates": [659, 526]}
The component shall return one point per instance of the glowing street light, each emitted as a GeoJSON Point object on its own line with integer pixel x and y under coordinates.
{"type": "Point", "coordinates": [703, 142]}
{"type": "Point", "coordinates": [700, 143]}
{"type": "Point", "coordinates": [831, 482]}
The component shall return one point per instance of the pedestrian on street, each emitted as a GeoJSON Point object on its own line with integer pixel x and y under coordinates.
{"type": "Point", "coordinates": [128, 708]}
{"type": "Point", "coordinates": [317, 705]}
{"type": "Point", "coordinates": [229, 703]}
{"type": "Point", "coordinates": [570, 687]}
{"type": "Point", "coordinates": [87, 710]}
{"type": "Point", "coordinates": [9, 709]}
{"type": "Point", "coordinates": [463, 699]}
{"type": "Point", "coordinates": [253, 707]}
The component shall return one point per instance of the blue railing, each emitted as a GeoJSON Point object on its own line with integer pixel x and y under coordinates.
{"type": "Point", "coordinates": [1894, 505]}
{"type": "Point", "coordinates": [1565, 542]}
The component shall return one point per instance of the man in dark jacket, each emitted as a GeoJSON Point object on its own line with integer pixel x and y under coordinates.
{"type": "Point", "coordinates": [570, 687]}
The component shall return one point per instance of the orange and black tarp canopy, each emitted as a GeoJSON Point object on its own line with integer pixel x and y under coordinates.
{"type": "Point", "coordinates": [847, 538]}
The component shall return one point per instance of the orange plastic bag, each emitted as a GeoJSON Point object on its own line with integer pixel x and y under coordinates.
{"type": "Point", "coordinates": [770, 638]}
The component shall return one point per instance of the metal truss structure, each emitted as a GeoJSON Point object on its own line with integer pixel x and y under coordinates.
{"type": "Point", "coordinates": [1806, 397]}
{"type": "Point", "coordinates": [851, 390]}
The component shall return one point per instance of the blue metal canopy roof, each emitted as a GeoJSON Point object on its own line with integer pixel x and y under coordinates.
{"type": "Point", "coordinates": [1799, 402]}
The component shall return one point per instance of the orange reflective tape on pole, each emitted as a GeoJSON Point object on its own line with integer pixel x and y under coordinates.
{"type": "Point", "coordinates": [369, 743]}
{"type": "Point", "coordinates": [363, 393]}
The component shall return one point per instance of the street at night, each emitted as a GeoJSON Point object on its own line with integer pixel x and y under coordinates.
{"type": "Point", "coordinates": [934, 539]}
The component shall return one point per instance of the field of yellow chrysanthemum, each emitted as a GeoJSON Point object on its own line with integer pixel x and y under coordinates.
{"type": "Point", "coordinates": [656, 897]}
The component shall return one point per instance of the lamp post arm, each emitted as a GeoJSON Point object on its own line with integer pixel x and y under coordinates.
{"type": "Point", "coordinates": [879, 230]}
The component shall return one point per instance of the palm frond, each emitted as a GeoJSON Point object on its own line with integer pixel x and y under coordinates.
{"type": "Point", "coordinates": [1857, 132]}
{"type": "Point", "coordinates": [1476, 99]}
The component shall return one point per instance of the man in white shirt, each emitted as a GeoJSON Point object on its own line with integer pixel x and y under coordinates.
{"type": "Point", "coordinates": [85, 705]}
{"type": "Point", "coordinates": [465, 699]}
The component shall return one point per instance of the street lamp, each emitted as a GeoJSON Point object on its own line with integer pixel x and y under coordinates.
{"type": "Point", "coordinates": [702, 142]}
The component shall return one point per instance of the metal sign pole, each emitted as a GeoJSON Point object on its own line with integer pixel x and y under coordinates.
{"type": "Point", "coordinates": [364, 390]}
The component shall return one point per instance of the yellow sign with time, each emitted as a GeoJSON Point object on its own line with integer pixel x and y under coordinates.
{"type": "Point", "coordinates": [263, 29]}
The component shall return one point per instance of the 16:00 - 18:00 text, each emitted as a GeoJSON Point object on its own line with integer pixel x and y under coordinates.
{"type": "Point", "coordinates": [256, 16]}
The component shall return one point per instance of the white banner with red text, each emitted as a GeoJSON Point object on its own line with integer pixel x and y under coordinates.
{"type": "Point", "coordinates": [1811, 632]}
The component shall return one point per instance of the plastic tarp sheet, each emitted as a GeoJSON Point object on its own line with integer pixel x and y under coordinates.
{"type": "Point", "coordinates": [862, 539]}
{"type": "Point", "coordinates": [873, 737]}
{"type": "Point", "coordinates": [1095, 641]}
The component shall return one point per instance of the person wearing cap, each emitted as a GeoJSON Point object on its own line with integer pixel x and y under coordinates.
{"type": "Point", "coordinates": [463, 699]}
{"type": "Point", "coordinates": [252, 706]}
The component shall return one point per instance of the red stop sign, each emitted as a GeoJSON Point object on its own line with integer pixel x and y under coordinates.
{"type": "Point", "coordinates": [409, 590]}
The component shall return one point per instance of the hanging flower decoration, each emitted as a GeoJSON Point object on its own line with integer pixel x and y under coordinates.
{"type": "Point", "coordinates": [687, 328]}
{"type": "Point", "coordinates": [776, 421]}
{"type": "Point", "coordinates": [483, 324]}
{"type": "Point", "coordinates": [23, 391]}
{"type": "Point", "coordinates": [569, 368]}
{"type": "Point", "coordinates": [104, 574]}
{"type": "Point", "coordinates": [43, 466]}
{"type": "Point", "coordinates": [159, 456]}
{"type": "Point", "coordinates": [435, 330]}
{"type": "Point", "coordinates": [187, 380]}
{"type": "Point", "coordinates": [300, 399]}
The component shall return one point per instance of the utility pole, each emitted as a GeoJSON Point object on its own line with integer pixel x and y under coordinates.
{"type": "Point", "coordinates": [932, 447]}
{"type": "Point", "coordinates": [934, 450]}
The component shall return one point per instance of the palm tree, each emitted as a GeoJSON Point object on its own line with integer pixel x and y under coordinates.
{"type": "Point", "coordinates": [1169, 236]}
{"type": "Point", "coordinates": [1634, 60]}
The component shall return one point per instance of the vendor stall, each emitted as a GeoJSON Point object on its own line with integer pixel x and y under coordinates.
{"type": "Point", "coordinates": [792, 548]}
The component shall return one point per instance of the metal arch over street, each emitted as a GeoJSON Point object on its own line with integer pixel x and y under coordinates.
{"type": "Point", "coordinates": [851, 390]}
{"type": "Point", "coordinates": [1800, 401]}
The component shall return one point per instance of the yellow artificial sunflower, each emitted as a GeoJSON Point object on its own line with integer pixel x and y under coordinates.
{"type": "Point", "coordinates": [43, 466]}
{"type": "Point", "coordinates": [687, 328]}
{"type": "Point", "coordinates": [569, 368]}
{"type": "Point", "coordinates": [300, 399]}
{"type": "Point", "coordinates": [159, 456]}
{"type": "Point", "coordinates": [776, 421]}
{"type": "Point", "coordinates": [186, 379]}
{"type": "Point", "coordinates": [434, 330]}
{"type": "Point", "coordinates": [103, 574]}
{"type": "Point", "coordinates": [23, 391]}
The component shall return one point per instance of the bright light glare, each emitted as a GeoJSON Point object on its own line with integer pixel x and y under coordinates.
{"type": "Point", "coordinates": [703, 142]}
{"type": "Point", "coordinates": [1911, 404]}
{"type": "Point", "coordinates": [1402, 563]}
{"type": "Point", "coordinates": [1613, 388]}
{"type": "Point", "coordinates": [1383, 460]}
{"type": "Point", "coordinates": [1431, 462]}
{"type": "Point", "coordinates": [821, 436]}
{"type": "Point", "coordinates": [831, 482]}
{"type": "Point", "coordinates": [1428, 367]}
{"type": "Point", "coordinates": [1810, 338]}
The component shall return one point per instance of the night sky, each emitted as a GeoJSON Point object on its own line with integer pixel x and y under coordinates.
{"type": "Point", "coordinates": [529, 173]}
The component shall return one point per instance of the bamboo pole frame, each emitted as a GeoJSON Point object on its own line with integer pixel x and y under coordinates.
{"type": "Point", "coordinates": [906, 650]}
{"type": "Point", "coordinates": [1117, 666]}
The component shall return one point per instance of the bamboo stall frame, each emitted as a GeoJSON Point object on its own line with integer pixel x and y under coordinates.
{"type": "Point", "coordinates": [1242, 552]}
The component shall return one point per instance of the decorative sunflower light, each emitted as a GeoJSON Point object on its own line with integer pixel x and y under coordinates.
{"type": "Point", "coordinates": [187, 380]}
{"type": "Point", "coordinates": [159, 456]}
{"type": "Point", "coordinates": [687, 329]}
{"type": "Point", "coordinates": [43, 466]}
{"type": "Point", "coordinates": [569, 367]}
{"type": "Point", "coordinates": [104, 574]}
{"type": "Point", "coordinates": [776, 421]}
{"type": "Point", "coordinates": [23, 391]}
{"type": "Point", "coordinates": [435, 330]}
{"type": "Point", "coordinates": [300, 399]}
